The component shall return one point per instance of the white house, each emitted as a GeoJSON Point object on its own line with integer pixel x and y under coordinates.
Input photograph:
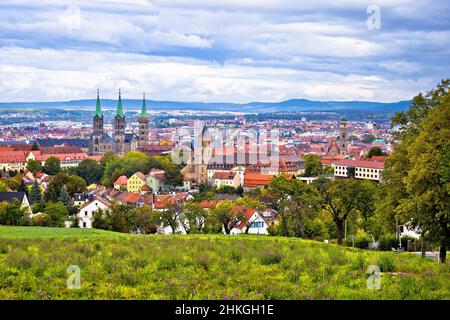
{"type": "Point", "coordinates": [85, 214]}
{"type": "Point", "coordinates": [256, 222]}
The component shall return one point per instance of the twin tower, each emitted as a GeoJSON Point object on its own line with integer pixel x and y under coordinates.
{"type": "Point", "coordinates": [121, 141]}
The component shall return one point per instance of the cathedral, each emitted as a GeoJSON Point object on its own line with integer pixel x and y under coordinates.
{"type": "Point", "coordinates": [121, 141]}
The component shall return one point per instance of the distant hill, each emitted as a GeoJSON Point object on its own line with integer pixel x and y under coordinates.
{"type": "Point", "coordinates": [294, 105]}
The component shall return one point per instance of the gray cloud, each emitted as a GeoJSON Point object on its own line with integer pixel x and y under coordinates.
{"type": "Point", "coordinates": [231, 51]}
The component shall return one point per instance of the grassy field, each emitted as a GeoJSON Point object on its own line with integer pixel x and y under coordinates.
{"type": "Point", "coordinates": [34, 261]}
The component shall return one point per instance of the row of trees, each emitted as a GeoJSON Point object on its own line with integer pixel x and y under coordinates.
{"type": "Point", "coordinates": [14, 214]}
{"type": "Point", "coordinates": [189, 217]}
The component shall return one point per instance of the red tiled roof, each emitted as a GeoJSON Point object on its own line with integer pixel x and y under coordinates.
{"type": "Point", "coordinates": [256, 179]}
{"type": "Point", "coordinates": [163, 201]}
{"type": "Point", "coordinates": [60, 150]}
{"type": "Point", "coordinates": [122, 180]}
{"type": "Point", "coordinates": [379, 158]}
{"type": "Point", "coordinates": [131, 198]}
{"type": "Point", "coordinates": [13, 157]}
{"type": "Point", "coordinates": [360, 163]}
{"type": "Point", "coordinates": [62, 157]}
{"type": "Point", "coordinates": [206, 204]}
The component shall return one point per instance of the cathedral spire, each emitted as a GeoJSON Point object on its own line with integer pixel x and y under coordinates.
{"type": "Point", "coordinates": [144, 108]}
{"type": "Point", "coordinates": [98, 110]}
{"type": "Point", "coordinates": [119, 111]}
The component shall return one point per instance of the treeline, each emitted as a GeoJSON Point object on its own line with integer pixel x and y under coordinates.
{"type": "Point", "coordinates": [187, 218]}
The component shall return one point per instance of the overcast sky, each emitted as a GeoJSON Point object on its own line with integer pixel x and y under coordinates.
{"type": "Point", "coordinates": [227, 51]}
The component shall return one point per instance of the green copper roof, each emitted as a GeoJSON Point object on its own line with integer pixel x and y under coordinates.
{"type": "Point", "coordinates": [98, 110]}
{"type": "Point", "coordinates": [119, 111]}
{"type": "Point", "coordinates": [144, 108]}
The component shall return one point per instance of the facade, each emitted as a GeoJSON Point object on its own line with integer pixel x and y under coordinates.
{"type": "Point", "coordinates": [86, 212]}
{"type": "Point", "coordinates": [359, 169]}
{"type": "Point", "coordinates": [13, 160]}
{"type": "Point", "coordinates": [155, 180]}
{"type": "Point", "coordinates": [230, 179]}
{"type": "Point", "coordinates": [255, 222]}
{"type": "Point", "coordinates": [121, 141]}
{"type": "Point", "coordinates": [136, 182]}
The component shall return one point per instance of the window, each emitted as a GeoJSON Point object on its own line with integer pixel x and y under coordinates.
{"type": "Point", "coordinates": [85, 213]}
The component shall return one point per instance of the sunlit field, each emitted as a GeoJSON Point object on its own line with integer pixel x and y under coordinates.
{"type": "Point", "coordinates": [34, 262]}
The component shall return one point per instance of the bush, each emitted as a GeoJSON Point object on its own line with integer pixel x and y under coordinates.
{"type": "Point", "coordinates": [42, 220]}
{"type": "Point", "coordinates": [361, 240]}
{"type": "Point", "coordinates": [387, 242]}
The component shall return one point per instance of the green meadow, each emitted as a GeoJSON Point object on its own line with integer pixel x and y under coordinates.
{"type": "Point", "coordinates": [34, 262]}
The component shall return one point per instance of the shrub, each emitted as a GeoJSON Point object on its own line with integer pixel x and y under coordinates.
{"type": "Point", "coordinates": [361, 241]}
{"type": "Point", "coordinates": [42, 220]}
{"type": "Point", "coordinates": [387, 242]}
{"type": "Point", "coordinates": [386, 264]}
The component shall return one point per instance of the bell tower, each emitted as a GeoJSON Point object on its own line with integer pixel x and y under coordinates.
{"type": "Point", "coordinates": [143, 120]}
{"type": "Point", "coordinates": [97, 128]}
{"type": "Point", "coordinates": [343, 136]}
{"type": "Point", "coordinates": [119, 127]}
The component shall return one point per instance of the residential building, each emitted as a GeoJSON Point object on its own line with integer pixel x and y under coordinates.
{"type": "Point", "coordinates": [135, 182]}
{"type": "Point", "coordinates": [226, 179]}
{"type": "Point", "coordinates": [359, 169]}
{"type": "Point", "coordinates": [86, 212]}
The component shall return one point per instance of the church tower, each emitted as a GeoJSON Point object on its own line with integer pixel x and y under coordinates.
{"type": "Point", "coordinates": [143, 119]}
{"type": "Point", "coordinates": [205, 155]}
{"type": "Point", "coordinates": [97, 128]}
{"type": "Point", "coordinates": [343, 136]}
{"type": "Point", "coordinates": [119, 127]}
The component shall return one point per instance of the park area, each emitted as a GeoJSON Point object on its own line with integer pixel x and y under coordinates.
{"type": "Point", "coordinates": [34, 264]}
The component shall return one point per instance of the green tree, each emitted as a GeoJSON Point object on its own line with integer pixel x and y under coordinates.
{"type": "Point", "coordinates": [54, 187]}
{"type": "Point", "coordinates": [170, 217]}
{"type": "Point", "coordinates": [64, 196]}
{"type": "Point", "coordinates": [368, 138]}
{"type": "Point", "coordinates": [35, 146]}
{"type": "Point", "coordinates": [13, 214]}
{"type": "Point", "coordinates": [35, 194]}
{"type": "Point", "coordinates": [3, 186]}
{"type": "Point", "coordinates": [297, 202]}
{"type": "Point", "coordinates": [90, 170]}
{"type": "Point", "coordinates": [375, 151]}
{"type": "Point", "coordinates": [75, 184]}
{"type": "Point", "coordinates": [345, 198]}
{"type": "Point", "coordinates": [57, 212]}
{"type": "Point", "coordinates": [228, 215]}
{"type": "Point", "coordinates": [313, 165]}
{"type": "Point", "coordinates": [417, 174]}
{"type": "Point", "coordinates": [34, 166]}
{"type": "Point", "coordinates": [192, 217]}
{"type": "Point", "coordinates": [52, 166]}
{"type": "Point", "coordinates": [144, 220]}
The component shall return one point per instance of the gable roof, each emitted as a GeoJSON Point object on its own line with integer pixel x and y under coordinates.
{"type": "Point", "coordinates": [13, 157]}
{"type": "Point", "coordinates": [122, 180]}
{"type": "Point", "coordinates": [10, 196]}
{"type": "Point", "coordinates": [256, 179]}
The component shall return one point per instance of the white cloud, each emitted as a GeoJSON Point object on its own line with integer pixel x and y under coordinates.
{"type": "Point", "coordinates": [24, 79]}
{"type": "Point", "coordinates": [220, 51]}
